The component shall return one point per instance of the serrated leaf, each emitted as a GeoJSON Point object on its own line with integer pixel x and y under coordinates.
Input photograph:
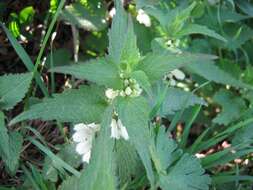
{"type": "Point", "coordinates": [13, 88]}
{"type": "Point", "coordinates": [200, 29]}
{"type": "Point", "coordinates": [10, 147]}
{"type": "Point", "coordinates": [25, 59]}
{"type": "Point", "coordinates": [165, 152]}
{"type": "Point", "coordinates": [232, 107]}
{"type": "Point", "coordinates": [177, 171]}
{"type": "Point", "coordinates": [122, 40]}
{"type": "Point", "coordinates": [97, 70]}
{"type": "Point", "coordinates": [70, 183]}
{"type": "Point", "coordinates": [210, 71]}
{"type": "Point", "coordinates": [156, 65]}
{"type": "Point", "coordinates": [186, 174]}
{"type": "Point", "coordinates": [177, 99]}
{"type": "Point", "coordinates": [134, 114]}
{"type": "Point", "coordinates": [89, 18]}
{"type": "Point", "coordinates": [76, 105]}
{"type": "Point", "coordinates": [243, 136]}
{"type": "Point", "coordinates": [128, 162]}
{"type": "Point", "coordinates": [100, 171]}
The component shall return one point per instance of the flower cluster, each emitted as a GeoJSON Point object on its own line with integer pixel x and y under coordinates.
{"type": "Point", "coordinates": [83, 136]}
{"type": "Point", "coordinates": [175, 75]}
{"type": "Point", "coordinates": [131, 88]}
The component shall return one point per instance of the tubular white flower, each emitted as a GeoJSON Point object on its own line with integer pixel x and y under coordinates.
{"type": "Point", "coordinates": [83, 137]}
{"type": "Point", "coordinates": [143, 18]}
{"type": "Point", "coordinates": [115, 133]}
{"type": "Point", "coordinates": [118, 130]}
{"type": "Point", "coordinates": [123, 131]}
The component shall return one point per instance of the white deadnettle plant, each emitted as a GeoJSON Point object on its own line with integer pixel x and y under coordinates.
{"type": "Point", "coordinates": [120, 103]}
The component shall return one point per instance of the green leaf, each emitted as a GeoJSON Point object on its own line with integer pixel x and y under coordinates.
{"type": "Point", "coordinates": [172, 20]}
{"type": "Point", "coordinates": [100, 171]}
{"type": "Point", "coordinates": [128, 162]}
{"type": "Point", "coordinates": [60, 57]}
{"type": "Point", "coordinates": [199, 29]}
{"type": "Point", "coordinates": [25, 59]}
{"type": "Point", "coordinates": [26, 14]}
{"type": "Point", "coordinates": [165, 151]}
{"type": "Point", "coordinates": [156, 65]}
{"type": "Point", "coordinates": [13, 88]}
{"type": "Point", "coordinates": [232, 107]}
{"type": "Point", "coordinates": [76, 105]}
{"type": "Point", "coordinates": [243, 136]}
{"type": "Point", "coordinates": [59, 163]}
{"type": "Point", "coordinates": [177, 171]}
{"type": "Point", "coordinates": [177, 99]}
{"type": "Point", "coordinates": [246, 7]}
{"type": "Point", "coordinates": [210, 71]}
{"type": "Point", "coordinates": [143, 81]}
{"type": "Point", "coordinates": [97, 70]}
{"type": "Point", "coordinates": [187, 173]}
{"type": "Point", "coordinates": [68, 154]}
{"type": "Point", "coordinates": [10, 147]}
{"type": "Point", "coordinates": [89, 18]}
{"type": "Point", "coordinates": [70, 183]}
{"type": "Point", "coordinates": [122, 40]}
{"type": "Point", "coordinates": [134, 114]}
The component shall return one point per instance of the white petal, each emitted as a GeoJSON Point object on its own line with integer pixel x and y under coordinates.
{"type": "Point", "coordinates": [128, 91]}
{"type": "Point", "coordinates": [112, 12]}
{"type": "Point", "coordinates": [123, 131]}
{"type": "Point", "coordinates": [143, 18]}
{"type": "Point", "coordinates": [173, 82]}
{"type": "Point", "coordinates": [83, 147]}
{"type": "Point", "coordinates": [178, 74]}
{"type": "Point", "coordinates": [122, 93]}
{"type": "Point", "coordinates": [115, 133]}
{"type": "Point", "coordinates": [86, 157]}
{"type": "Point", "coordinates": [94, 127]}
{"type": "Point", "coordinates": [111, 94]}
{"type": "Point", "coordinates": [77, 137]}
{"type": "Point", "coordinates": [79, 126]}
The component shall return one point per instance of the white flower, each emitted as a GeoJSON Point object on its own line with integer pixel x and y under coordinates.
{"type": "Point", "coordinates": [126, 82]}
{"type": "Point", "coordinates": [128, 91]}
{"type": "Point", "coordinates": [122, 93]}
{"type": "Point", "coordinates": [175, 74]}
{"type": "Point", "coordinates": [112, 12]}
{"type": "Point", "coordinates": [178, 74]}
{"type": "Point", "coordinates": [83, 137]}
{"type": "Point", "coordinates": [143, 18]}
{"type": "Point", "coordinates": [118, 130]}
{"type": "Point", "coordinates": [111, 94]}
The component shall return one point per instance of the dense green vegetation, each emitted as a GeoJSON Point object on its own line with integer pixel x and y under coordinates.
{"type": "Point", "coordinates": [142, 94]}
